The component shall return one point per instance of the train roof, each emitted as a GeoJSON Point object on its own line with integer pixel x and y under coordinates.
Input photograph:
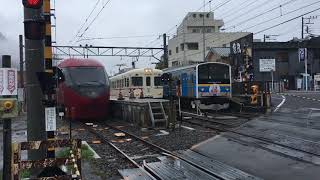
{"type": "Point", "coordinates": [137, 71]}
{"type": "Point", "coordinates": [73, 62]}
{"type": "Point", "coordinates": [171, 69]}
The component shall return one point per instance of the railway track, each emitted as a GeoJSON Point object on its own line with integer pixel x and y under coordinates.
{"type": "Point", "coordinates": [143, 151]}
{"type": "Point", "coordinates": [212, 119]}
{"type": "Point", "coordinates": [201, 121]}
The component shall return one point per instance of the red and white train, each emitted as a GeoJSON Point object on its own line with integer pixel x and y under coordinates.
{"type": "Point", "coordinates": [84, 91]}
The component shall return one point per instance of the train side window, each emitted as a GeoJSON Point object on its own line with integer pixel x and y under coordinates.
{"type": "Point", "coordinates": [148, 81]}
{"type": "Point", "coordinates": [127, 82]}
{"type": "Point", "coordinates": [137, 81]}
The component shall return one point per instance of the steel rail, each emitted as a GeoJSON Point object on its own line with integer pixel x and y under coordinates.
{"type": "Point", "coordinates": [254, 137]}
{"type": "Point", "coordinates": [167, 152]}
{"type": "Point", "coordinates": [105, 140]}
{"type": "Point", "coordinates": [207, 119]}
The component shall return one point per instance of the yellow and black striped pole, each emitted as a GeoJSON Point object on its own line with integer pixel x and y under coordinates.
{"type": "Point", "coordinates": [48, 65]}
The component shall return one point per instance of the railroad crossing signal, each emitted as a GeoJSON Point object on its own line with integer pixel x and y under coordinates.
{"type": "Point", "coordinates": [34, 29]}
{"type": "Point", "coordinates": [8, 108]}
{"type": "Point", "coordinates": [33, 4]}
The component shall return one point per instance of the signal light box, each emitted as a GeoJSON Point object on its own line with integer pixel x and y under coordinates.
{"type": "Point", "coordinates": [34, 29]}
{"type": "Point", "coordinates": [33, 4]}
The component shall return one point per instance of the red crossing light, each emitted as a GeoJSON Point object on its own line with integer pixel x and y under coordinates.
{"type": "Point", "coordinates": [34, 4]}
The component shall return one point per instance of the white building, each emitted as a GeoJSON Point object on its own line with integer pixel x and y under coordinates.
{"type": "Point", "coordinates": [198, 31]}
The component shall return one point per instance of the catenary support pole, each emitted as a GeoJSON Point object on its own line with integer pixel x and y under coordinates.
{"type": "Point", "coordinates": [165, 53]}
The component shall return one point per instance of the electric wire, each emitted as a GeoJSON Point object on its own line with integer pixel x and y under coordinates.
{"type": "Point", "coordinates": [261, 14]}
{"type": "Point", "coordinates": [290, 12]}
{"type": "Point", "coordinates": [94, 19]}
{"type": "Point", "coordinates": [86, 20]}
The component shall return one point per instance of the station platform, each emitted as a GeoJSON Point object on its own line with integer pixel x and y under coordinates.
{"type": "Point", "coordinates": [145, 112]}
{"type": "Point", "coordinates": [268, 159]}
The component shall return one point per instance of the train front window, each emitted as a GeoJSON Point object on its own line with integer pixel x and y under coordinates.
{"type": "Point", "coordinates": [148, 81]}
{"type": "Point", "coordinates": [157, 81]}
{"type": "Point", "coordinates": [87, 75]}
{"type": "Point", "coordinates": [214, 73]}
{"type": "Point", "coordinates": [137, 81]}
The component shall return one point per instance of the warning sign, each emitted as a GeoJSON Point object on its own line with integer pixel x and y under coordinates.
{"type": "Point", "coordinates": [8, 82]}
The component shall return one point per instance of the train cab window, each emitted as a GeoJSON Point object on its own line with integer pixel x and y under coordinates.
{"type": "Point", "coordinates": [137, 81]}
{"type": "Point", "coordinates": [157, 81]}
{"type": "Point", "coordinates": [148, 81]}
{"type": "Point", "coordinates": [213, 73]}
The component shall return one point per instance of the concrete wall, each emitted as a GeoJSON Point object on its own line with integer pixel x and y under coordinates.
{"type": "Point", "coordinates": [134, 112]}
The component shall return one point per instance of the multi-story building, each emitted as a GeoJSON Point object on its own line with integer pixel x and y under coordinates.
{"type": "Point", "coordinates": [196, 35]}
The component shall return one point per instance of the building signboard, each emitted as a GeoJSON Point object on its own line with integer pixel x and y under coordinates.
{"type": "Point", "coordinates": [267, 65]}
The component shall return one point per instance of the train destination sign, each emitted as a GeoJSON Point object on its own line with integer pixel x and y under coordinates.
{"type": "Point", "coordinates": [8, 82]}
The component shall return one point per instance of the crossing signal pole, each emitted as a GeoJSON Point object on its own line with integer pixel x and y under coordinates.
{"type": "Point", "coordinates": [34, 30]}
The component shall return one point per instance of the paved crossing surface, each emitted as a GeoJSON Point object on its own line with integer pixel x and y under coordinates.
{"type": "Point", "coordinates": [279, 145]}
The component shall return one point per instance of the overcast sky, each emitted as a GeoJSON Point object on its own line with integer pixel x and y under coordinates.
{"type": "Point", "coordinates": [151, 18]}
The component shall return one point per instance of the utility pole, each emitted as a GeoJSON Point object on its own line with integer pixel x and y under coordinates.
{"type": "Point", "coordinates": [165, 53]}
{"type": "Point", "coordinates": [21, 61]}
{"type": "Point", "coordinates": [204, 39]}
{"type": "Point", "coordinates": [34, 60]}
{"type": "Point", "coordinates": [302, 30]}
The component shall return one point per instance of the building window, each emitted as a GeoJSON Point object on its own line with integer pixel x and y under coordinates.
{"type": "Point", "coordinates": [201, 15]}
{"type": "Point", "coordinates": [195, 30]}
{"type": "Point", "coordinates": [182, 47]}
{"type": "Point", "coordinates": [193, 46]}
{"type": "Point", "coordinates": [208, 15]}
{"type": "Point", "coordinates": [177, 49]}
{"type": "Point", "coordinates": [170, 53]}
{"type": "Point", "coordinates": [175, 63]}
{"type": "Point", "coordinates": [209, 30]}
{"type": "Point", "coordinates": [194, 15]}
{"type": "Point", "coordinates": [282, 56]}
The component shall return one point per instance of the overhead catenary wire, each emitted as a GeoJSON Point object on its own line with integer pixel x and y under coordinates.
{"type": "Point", "coordinates": [261, 14]}
{"type": "Point", "coordinates": [284, 22]}
{"type": "Point", "coordinates": [290, 12]}
{"type": "Point", "coordinates": [94, 19]}
{"type": "Point", "coordinates": [86, 20]}
{"type": "Point", "coordinates": [250, 10]}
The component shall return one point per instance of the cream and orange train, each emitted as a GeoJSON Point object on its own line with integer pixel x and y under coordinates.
{"type": "Point", "coordinates": [145, 82]}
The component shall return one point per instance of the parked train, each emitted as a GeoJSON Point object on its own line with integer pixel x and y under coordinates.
{"type": "Point", "coordinates": [84, 90]}
{"type": "Point", "coordinates": [144, 82]}
{"type": "Point", "coordinates": [206, 85]}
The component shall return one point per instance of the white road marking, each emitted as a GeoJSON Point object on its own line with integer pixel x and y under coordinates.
{"type": "Point", "coordinates": [282, 102]}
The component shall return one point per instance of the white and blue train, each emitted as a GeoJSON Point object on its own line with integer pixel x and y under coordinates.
{"type": "Point", "coordinates": [207, 85]}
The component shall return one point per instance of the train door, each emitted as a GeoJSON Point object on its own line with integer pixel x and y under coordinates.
{"type": "Point", "coordinates": [148, 86]}
{"type": "Point", "coordinates": [184, 84]}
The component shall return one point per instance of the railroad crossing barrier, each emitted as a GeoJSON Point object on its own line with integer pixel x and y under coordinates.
{"type": "Point", "coordinates": [251, 96]}
{"type": "Point", "coordinates": [74, 160]}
